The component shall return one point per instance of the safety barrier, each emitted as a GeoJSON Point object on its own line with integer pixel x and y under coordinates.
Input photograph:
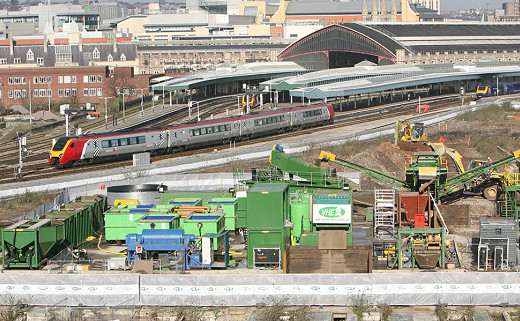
{"type": "Point", "coordinates": [206, 289]}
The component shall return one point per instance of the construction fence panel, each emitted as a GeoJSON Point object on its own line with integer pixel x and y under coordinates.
{"type": "Point", "coordinates": [395, 288]}
{"type": "Point", "coordinates": [69, 290]}
{"type": "Point", "coordinates": [402, 288]}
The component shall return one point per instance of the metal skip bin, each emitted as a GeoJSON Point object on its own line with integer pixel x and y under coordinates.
{"type": "Point", "coordinates": [156, 222]}
{"type": "Point", "coordinates": [119, 224]}
{"type": "Point", "coordinates": [27, 244]}
{"type": "Point", "coordinates": [209, 224]}
{"type": "Point", "coordinates": [73, 236]}
{"type": "Point", "coordinates": [229, 207]}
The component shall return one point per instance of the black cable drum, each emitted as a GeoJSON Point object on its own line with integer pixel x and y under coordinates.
{"type": "Point", "coordinates": [146, 194]}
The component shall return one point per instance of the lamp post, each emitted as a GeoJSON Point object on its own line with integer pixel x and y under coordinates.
{"type": "Point", "coordinates": [497, 77]}
{"type": "Point", "coordinates": [49, 80]}
{"type": "Point", "coordinates": [30, 101]}
{"type": "Point", "coordinates": [106, 110]}
{"type": "Point", "coordinates": [142, 100]}
{"type": "Point", "coordinates": [124, 118]}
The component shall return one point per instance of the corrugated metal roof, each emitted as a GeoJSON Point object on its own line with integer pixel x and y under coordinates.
{"type": "Point", "coordinates": [232, 73]}
{"type": "Point", "coordinates": [417, 75]}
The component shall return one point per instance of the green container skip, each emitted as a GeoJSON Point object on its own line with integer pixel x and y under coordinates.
{"type": "Point", "coordinates": [73, 234]}
{"type": "Point", "coordinates": [94, 207]}
{"type": "Point", "coordinates": [119, 224]}
{"type": "Point", "coordinates": [186, 201]}
{"type": "Point", "coordinates": [28, 244]}
{"type": "Point", "coordinates": [211, 223]}
{"type": "Point", "coordinates": [229, 208]}
{"type": "Point", "coordinates": [157, 222]}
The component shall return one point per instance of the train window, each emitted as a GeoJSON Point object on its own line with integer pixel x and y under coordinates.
{"type": "Point", "coordinates": [196, 132]}
{"type": "Point", "coordinates": [141, 139]}
{"type": "Point", "coordinates": [123, 142]}
{"type": "Point", "coordinates": [105, 143]}
{"type": "Point", "coordinates": [132, 140]}
{"type": "Point", "coordinates": [222, 128]}
{"type": "Point", "coordinates": [60, 144]}
{"type": "Point", "coordinates": [228, 127]}
{"type": "Point", "coordinates": [114, 142]}
{"type": "Point", "coordinates": [209, 130]}
{"type": "Point", "coordinates": [215, 129]}
{"type": "Point", "coordinates": [203, 131]}
{"type": "Point", "coordinates": [72, 145]}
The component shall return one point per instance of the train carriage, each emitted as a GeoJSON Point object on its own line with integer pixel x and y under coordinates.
{"type": "Point", "coordinates": [78, 150]}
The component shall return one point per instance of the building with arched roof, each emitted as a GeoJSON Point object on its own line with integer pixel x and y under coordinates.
{"type": "Point", "coordinates": [344, 45]}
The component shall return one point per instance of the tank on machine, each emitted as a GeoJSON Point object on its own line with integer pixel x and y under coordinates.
{"type": "Point", "coordinates": [146, 194]}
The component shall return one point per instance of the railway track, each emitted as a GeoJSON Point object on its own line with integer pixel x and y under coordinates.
{"type": "Point", "coordinates": [42, 170]}
{"type": "Point", "coordinates": [39, 145]}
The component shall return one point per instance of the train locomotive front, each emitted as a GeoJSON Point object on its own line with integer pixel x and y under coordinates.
{"type": "Point", "coordinates": [59, 148]}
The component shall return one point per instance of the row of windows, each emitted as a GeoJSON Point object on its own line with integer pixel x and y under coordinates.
{"type": "Point", "coordinates": [269, 120]}
{"type": "Point", "coordinates": [17, 93]}
{"type": "Point", "coordinates": [61, 80]}
{"type": "Point", "coordinates": [311, 113]}
{"type": "Point", "coordinates": [210, 130]}
{"type": "Point", "coordinates": [42, 93]}
{"type": "Point", "coordinates": [67, 79]}
{"type": "Point", "coordinates": [67, 92]}
{"type": "Point", "coordinates": [92, 92]}
{"type": "Point", "coordinates": [123, 141]}
{"type": "Point", "coordinates": [92, 78]}
{"type": "Point", "coordinates": [17, 61]}
{"type": "Point", "coordinates": [16, 80]}
{"type": "Point", "coordinates": [42, 80]}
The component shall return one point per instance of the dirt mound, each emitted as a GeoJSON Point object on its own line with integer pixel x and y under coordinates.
{"type": "Point", "coordinates": [413, 147]}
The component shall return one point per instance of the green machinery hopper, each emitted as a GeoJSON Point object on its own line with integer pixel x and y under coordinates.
{"type": "Point", "coordinates": [28, 244]}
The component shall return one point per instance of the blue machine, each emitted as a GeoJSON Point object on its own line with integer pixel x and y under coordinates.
{"type": "Point", "coordinates": [186, 248]}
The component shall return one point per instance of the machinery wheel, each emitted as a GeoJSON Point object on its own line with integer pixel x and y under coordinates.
{"type": "Point", "coordinates": [490, 192]}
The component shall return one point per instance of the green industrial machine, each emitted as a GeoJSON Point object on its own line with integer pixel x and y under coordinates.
{"type": "Point", "coordinates": [229, 208]}
{"type": "Point", "coordinates": [29, 243]}
{"type": "Point", "coordinates": [294, 171]}
{"type": "Point", "coordinates": [157, 222]}
{"type": "Point", "coordinates": [427, 171]}
{"type": "Point", "coordinates": [423, 248]}
{"type": "Point", "coordinates": [120, 221]}
{"type": "Point", "coordinates": [268, 224]}
{"type": "Point", "coordinates": [201, 224]}
{"type": "Point", "coordinates": [316, 215]}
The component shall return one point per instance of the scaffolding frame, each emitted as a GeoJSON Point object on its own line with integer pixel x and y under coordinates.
{"type": "Point", "coordinates": [384, 212]}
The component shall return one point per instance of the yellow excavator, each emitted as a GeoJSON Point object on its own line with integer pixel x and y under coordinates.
{"type": "Point", "coordinates": [405, 131]}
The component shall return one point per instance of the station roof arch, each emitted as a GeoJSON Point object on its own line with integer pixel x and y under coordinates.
{"type": "Point", "coordinates": [344, 45]}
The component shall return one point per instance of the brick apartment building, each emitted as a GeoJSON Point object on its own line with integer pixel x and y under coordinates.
{"type": "Point", "coordinates": [65, 85]}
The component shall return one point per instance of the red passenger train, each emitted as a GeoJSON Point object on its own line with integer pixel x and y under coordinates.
{"type": "Point", "coordinates": [84, 149]}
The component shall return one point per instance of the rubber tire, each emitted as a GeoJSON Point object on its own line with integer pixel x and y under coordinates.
{"type": "Point", "coordinates": [490, 192]}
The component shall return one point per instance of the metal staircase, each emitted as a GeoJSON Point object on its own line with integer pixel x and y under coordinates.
{"type": "Point", "coordinates": [511, 185]}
